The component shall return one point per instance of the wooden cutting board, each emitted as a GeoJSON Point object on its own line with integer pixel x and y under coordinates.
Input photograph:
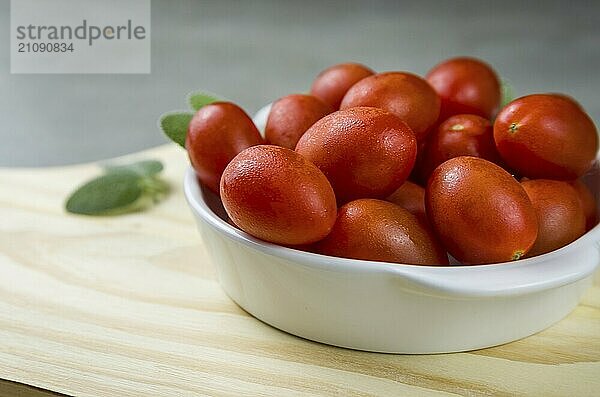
{"type": "Point", "coordinates": [130, 306]}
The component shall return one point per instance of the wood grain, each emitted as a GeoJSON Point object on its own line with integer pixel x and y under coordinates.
{"type": "Point", "coordinates": [130, 306]}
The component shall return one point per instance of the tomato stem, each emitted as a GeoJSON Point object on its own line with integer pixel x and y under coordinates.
{"type": "Point", "coordinates": [517, 255]}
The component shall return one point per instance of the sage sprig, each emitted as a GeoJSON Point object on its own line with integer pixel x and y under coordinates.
{"type": "Point", "coordinates": [121, 189]}
{"type": "Point", "coordinates": [508, 93]}
{"type": "Point", "coordinates": [200, 99]}
{"type": "Point", "coordinates": [175, 124]}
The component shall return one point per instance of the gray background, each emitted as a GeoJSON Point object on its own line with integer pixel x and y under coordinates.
{"type": "Point", "coordinates": [253, 52]}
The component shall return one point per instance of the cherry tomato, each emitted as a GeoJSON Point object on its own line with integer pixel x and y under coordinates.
{"type": "Point", "coordinates": [546, 136]}
{"type": "Point", "coordinates": [404, 94]}
{"type": "Point", "coordinates": [275, 194]}
{"type": "Point", "coordinates": [460, 135]}
{"type": "Point", "coordinates": [588, 203]}
{"type": "Point", "coordinates": [364, 152]}
{"type": "Point", "coordinates": [411, 197]}
{"type": "Point", "coordinates": [216, 134]}
{"type": "Point", "coordinates": [291, 116]}
{"type": "Point", "coordinates": [560, 215]}
{"type": "Point", "coordinates": [466, 86]}
{"type": "Point", "coordinates": [332, 84]}
{"type": "Point", "coordinates": [479, 211]}
{"type": "Point", "coordinates": [377, 230]}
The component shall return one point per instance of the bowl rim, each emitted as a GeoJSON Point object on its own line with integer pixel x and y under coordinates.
{"type": "Point", "coordinates": [495, 279]}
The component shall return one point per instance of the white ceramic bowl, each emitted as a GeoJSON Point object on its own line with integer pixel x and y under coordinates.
{"type": "Point", "coordinates": [388, 307]}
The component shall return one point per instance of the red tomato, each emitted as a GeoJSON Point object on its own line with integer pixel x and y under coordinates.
{"type": "Point", "coordinates": [546, 136]}
{"type": "Point", "coordinates": [364, 152]}
{"type": "Point", "coordinates": [479, 211]}
{"type": "Point", "coordinates": [404, 94]}
{"type": "Point", "coordinates": [417, 173]}
{"type": "Point", "coordinates": [275, 194]}
{"type": "Point", "coordinates": [376, 230]}
{"type": "Point", "coordinates": [466, 86]}
{"type": "Point", "coordinates": [411, 197]}
{"type": "Point", "coordinates": [460, 135]}
{"type": "Point", "coordinates": [291, 116]}
{"type": "Point", "coordinates": [216, 134]}
{"type": "Point", "coordinates": [560, 216]}
{"type": "Point", "coordinates": [588, 204]}
{"type": "Point", "coordinates": [332, 84]}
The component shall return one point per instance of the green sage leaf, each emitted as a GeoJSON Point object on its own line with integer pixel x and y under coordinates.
{"type": "Point", "coordinates": [107, 194]}
{"type": "Point", "coordinates": [201, 98]}
{"type": "Point", "coordinates": [175, 126]}
{"type": "Point", "coordinates": [508, 94]}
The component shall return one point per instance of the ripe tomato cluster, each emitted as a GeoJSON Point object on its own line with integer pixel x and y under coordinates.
{"type": "Point", "coordinates": [398, 168]}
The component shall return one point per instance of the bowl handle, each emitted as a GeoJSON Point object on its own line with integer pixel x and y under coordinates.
{"type": "Point", "coordinates": [564, 266]}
